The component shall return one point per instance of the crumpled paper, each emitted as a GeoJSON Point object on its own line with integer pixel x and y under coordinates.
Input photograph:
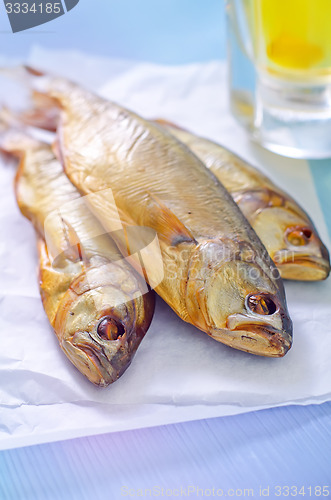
{"type": "Point", "coordinates": [178, 373]}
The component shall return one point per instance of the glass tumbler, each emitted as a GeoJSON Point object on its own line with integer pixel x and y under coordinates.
{"type": "Point", "coordinates": [279, 54]}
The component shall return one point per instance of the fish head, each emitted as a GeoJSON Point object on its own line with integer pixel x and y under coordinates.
{"type": "Point", "coordinates": [303, 256]}
{"type": "Point", "coordinates": [238, 301]}
{"type": "Point", "coordinates": [293, 244]}
{"type": "Point", "coordinates": [101, 321]}
{"type": "Point", "coordinates": [288, 234]}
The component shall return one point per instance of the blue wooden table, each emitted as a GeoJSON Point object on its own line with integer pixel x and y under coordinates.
{"type": "Point", "coordinates": [237, 456]}
{"type": "Point", "coordinates": [273, 453]}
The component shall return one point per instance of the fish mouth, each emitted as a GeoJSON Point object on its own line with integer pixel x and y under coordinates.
{"type": "Point", "coordinates": [102, 362]}
{"type": "Point", "coordinates": [269, 341]}
{"type": "Point", "coordinates": [256, 338]}
{"type": "Point", "coordinates": [302, 267]}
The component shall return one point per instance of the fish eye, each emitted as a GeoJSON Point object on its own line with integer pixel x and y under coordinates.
{"type": "Point", "coordinates": [261, 304]}
{"type": "Point", "coordinates": [110, 329]}
{"type": "Point", "coordinates": [299, 236]}
{"type": "Point", "coordinates": [308, 233]}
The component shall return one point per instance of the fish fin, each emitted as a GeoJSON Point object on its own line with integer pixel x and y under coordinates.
{"type": "Point", "coordinates": [15, 137]}
{"type": "Point", "coordinates": [52, 284]}
{"type": "Point", "coordinates": [75, 250]}
{"type": "Point", "coordinates": [57, 151]}
{"type": "Point", "coordinates": [167, 225]}
{"type": "Point", "coordinates": [44, 113]}
{"type": "Point", "coordinates": [45, 109]}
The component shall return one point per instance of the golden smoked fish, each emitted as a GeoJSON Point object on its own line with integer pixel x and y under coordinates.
{"type": "Point", "coordinates": [217, 274]}
{"type": "Point", "coordinates": [97, 304]}
{"type": "Point", "coordinates": [283, 226]}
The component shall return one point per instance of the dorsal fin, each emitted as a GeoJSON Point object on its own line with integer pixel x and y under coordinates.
{"type": "Point", "coordinates": [15, 139]}
{"type": "Point", "coordinates": [75, 249]}
{"type": "Point", "coordinates": [167, 225]}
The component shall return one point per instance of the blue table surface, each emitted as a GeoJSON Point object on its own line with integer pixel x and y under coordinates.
{"type": "Point", "coordinates": [288, 446]}
{"type": "Point", "coordinates": [229, 456]}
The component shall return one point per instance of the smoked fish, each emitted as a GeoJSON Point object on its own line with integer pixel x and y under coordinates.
{"type": "Point", "coordinates": [283, 226]}
{"type": "Point", "coordinates": [217, 275]}
{"type": "Point", "coordinates": [98, 306]}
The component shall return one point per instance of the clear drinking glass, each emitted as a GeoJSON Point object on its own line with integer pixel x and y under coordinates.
{"type": "Point", "coordinates": [279, 55]}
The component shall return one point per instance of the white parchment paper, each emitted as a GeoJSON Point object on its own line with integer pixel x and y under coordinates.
{"type": "Point", "coordinates": [178, 372]}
